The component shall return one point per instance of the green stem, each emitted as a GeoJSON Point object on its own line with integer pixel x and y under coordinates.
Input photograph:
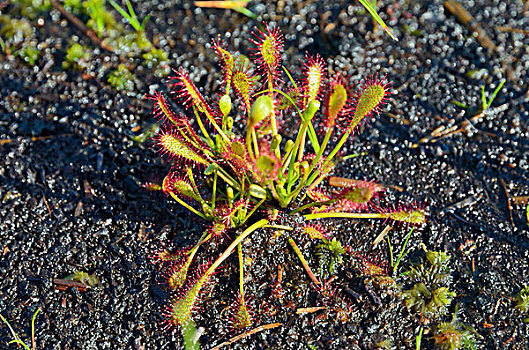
{"type": "Point", "coordinates": [345, 215]}
{"type": "Point", "coordinates": [214, 195]}
{"type": "Point", "coordinates": [290, 78]}
{"type": "Point", "coordinates": [280, 227]}
{"type": "Point", "coordinates": [253, 210]}
{"type": "Point", "coordinates": [275, 194]}
{"type": "Point", "coordinates": [273, 122]}
{"type": "Point", "coordinates": [194, 141]}
{"type": "Point", "coordinates": [255, 146]}
{"type": "Point", "coordinates": [194, 250]}
{"type": "Point", "coordinates": [300, 186]}
{"type": "Point", "coordinates": [194, 185]}
{"type": "Point", "coordinates": [354, 155]}
{"type": "Point", "coordinates": [234, 244]}
{"type": "Point", "coordinates": [316, 182]}
{"type": "Point", "coordinates": [249, 143]}
{"type": "Point", "coordinates": [20, 342]}
{"type": "Point", "coordinates": [330, 156]}
{"type": "Point", "coordinates": [313, 138]}
{"type": "Point", "coordinates": [228, 179]}
{"type": "Point", "coordinates": [320, 154]}
{"type": "Point", "coordinates": [204, 238]}
{"type": "Point", "coordinates": [291, 101]}
{"type": "Point", "coordinates": [33, 328]}
{"type": "Point", "coordinates": [241, 270]}
{"type": "Point", "coordinates": [338, 147]}
{"type": "Point", "coordinates": [13, 333]}
{"type": "Point", "coordinates": [286, 160]}
{"type": "Point", "coordinates": [202, 128]}
{"type": "Point", "coordinates": [300, 140]}
{"type": "Point", "coordinates": [390, 252]}
{"type": "Point", "coordinates": [313, 204]}
{"type": "Point", "coordinates": [322, 148]}
{"type": "Point", "coordinates": [303, 261]}
{"type": "Point", "coordinates": [215, 125]}
{"type": "Point", "coordinates": [293, 154]}
{"type": "Point", "coordinates": [311, 132]}
{"type": "Point", "coordinates": [296, 177]}
{"type": "Point", "coordinates": [181, 202]}
{"type": "Point", "coordinates": [302, 145]}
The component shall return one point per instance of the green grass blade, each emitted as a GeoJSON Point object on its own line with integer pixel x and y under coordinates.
{"type": "Point", "coordinates": [19, 342]}
{"type": "Point", "coordinates": [33, 328]}
{"type": "Point", "coordinates": [245, 11]}
{"type": "Point", "coordinates": [401, 255]}
{"type": "Point", "coordinates": [460, 104]}
{"type": "Point", "coordinates": [483, 98]}
{"type": "Point", "coordinates": [145, 21]}
{"type": "Point", "coordinates": [377, 18]}
{"type": "Point", "coordinates": [131, 9]}
{"type": "Point", "coordinates": [418, 340]}
{"type": "Point", "coordinates": [495, 93]}
{"type": "Point", "coordinates": [13, 333]}
{"type": "Point", "coordinates": [119, 9]}
{"type": "Point", "coordinates": [133, 20]}
{"type": "Point", "coordinates": [354, 155]}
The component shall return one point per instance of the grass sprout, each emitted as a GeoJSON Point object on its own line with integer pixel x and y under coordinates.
{"type": "Point", "coordinates": [16, 338]}
{"type": "Point", "coordinates": [370, 7]}
{"type": "Point", "coordinates": [130, 16]}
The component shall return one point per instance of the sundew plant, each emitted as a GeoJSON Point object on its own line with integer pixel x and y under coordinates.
{"type": "Point", "coordinates": [241, 182]}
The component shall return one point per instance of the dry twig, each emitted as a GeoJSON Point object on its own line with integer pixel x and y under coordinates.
{"type": "Point", "coordinates": [462, 15]}
{"type": "Point", "coordinates": [382, 234]}
{"type": "Point", "coordinates": [47, 205]}
{"type": "Point", "coordinates": [508, 29]}
{"type": "Point", "coordinates": [64, 284]}
{"type": "Point", "coordinates": [309, 310]}
{"type": "Point", "coordinates": [81, 26]}
{"type": "Point", "coordinates": [451, 129]}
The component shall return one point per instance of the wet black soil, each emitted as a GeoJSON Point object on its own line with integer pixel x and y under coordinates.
{"type": "Point", "coordinates": [71, 176]}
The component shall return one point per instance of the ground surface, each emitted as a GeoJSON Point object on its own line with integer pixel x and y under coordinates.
{"type": "Point", "coordinates": [71, 200]}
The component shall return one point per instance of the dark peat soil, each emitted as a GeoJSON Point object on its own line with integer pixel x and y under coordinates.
{"type": "Point", "coordinates": [71, 196]}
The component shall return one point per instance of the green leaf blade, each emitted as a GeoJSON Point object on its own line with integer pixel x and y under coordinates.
{"type": "Point", "coordinates": [377, 18]}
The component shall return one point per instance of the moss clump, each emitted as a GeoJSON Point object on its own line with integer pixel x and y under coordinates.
{"type": "Point", "coordinates": [16, 30]}
{"type": "Point", "coordinates": [453, 335]}
{"type": "Point", "coordinates": [158, 60]}
{"type": "Point", "coordinates": [29, 53]}
{"type": "Point", "coordinates": [77, 57]}
{"type": "Point", "coordinates": [429, 293]}
{"type": "Point", "coordinates": [74, 6]}
{"type": "Point", "coordinates": [330, 254]}
{"type": "Point", "coordinates": [122, 79]}
{"type": "Point", "coordinates": [522, 299]}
